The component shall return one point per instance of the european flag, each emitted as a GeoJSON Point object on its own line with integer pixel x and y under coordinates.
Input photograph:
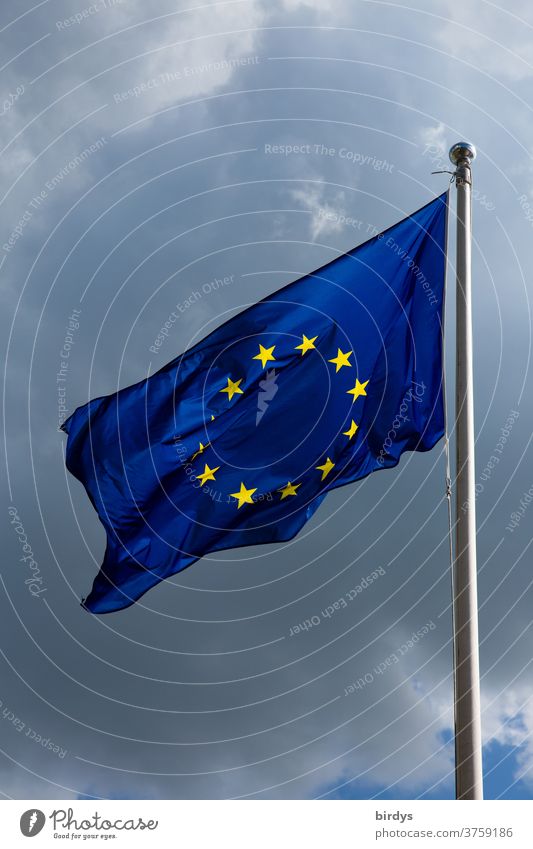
{"type": "Point", "coordinates": [238, 440]}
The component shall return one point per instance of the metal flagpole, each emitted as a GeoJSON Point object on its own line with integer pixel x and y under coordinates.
{"type": "Point", "coordinates": [468, 767]}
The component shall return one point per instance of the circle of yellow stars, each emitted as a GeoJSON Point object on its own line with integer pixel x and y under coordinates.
{"type": "Point", "coordinates": [265, 355]}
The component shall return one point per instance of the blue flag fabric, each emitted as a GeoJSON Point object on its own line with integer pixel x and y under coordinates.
{"type": "Point", "coordinates": [237, 441]}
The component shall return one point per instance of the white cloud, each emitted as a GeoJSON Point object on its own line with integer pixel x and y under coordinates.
{"type": "Point", "coordinates": [137, 70]}
{"type": "Point", "coordinates": [498, 41]}
{"type": "Point", "coordinates": [434, 137]}
{"type": "Point", "coordinates": [327, 216]}
{"type": "Point", "coordinates": [205, 47]}
{"type": "Point", "coordinates": [508, 720]}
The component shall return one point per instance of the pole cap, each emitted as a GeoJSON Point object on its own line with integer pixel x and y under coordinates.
{"type": "Point", "coordinates": [461, 151]}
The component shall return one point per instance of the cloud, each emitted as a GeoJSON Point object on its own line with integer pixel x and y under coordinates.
{"type": "Point", "coordinates": [326, 206]}
{"type": "Point", "coordinates": [508, 720]}
{"type": "Point", "coordinates": [434, 137]}
{"type": "Point", "coordinates": [494, 39]}
{"type": "Point", "coordinates": [195, 54]}
{"type": "Point", "coordinates": [123, 70]}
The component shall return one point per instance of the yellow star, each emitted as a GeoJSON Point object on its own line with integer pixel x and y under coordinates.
{"type": "Point", "coordinates": [212, 418]}
{"type": "Point", "coordinates": [341, 359]}
{"type": "Point", "coordinates": [290, 489]}
{"type": "Point", "coordinates": [201, 450]}
{"type": "Point", "coordinates": [244, 496]}
{"type": "Point", "coordinates": [207, 475]}
{"type": "Point", "coordinates": [307, 344]}
{"type": "Point", "coordinates": [326, 468]}
{"type": "Point", "coordinates": [233, 388]}
{"type": "Point", "coordinates": [351, 430]}
{"type": "Point", "coordinates": [359, 389]}
{"type": "Point", "coordinates": [265, 354]}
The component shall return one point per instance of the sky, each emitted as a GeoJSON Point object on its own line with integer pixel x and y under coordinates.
{"type": "Point", "coordinates": [153, 151]}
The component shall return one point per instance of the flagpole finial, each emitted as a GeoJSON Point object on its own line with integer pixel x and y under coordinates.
{"type": "Point", "coordinates": [462, 151]}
